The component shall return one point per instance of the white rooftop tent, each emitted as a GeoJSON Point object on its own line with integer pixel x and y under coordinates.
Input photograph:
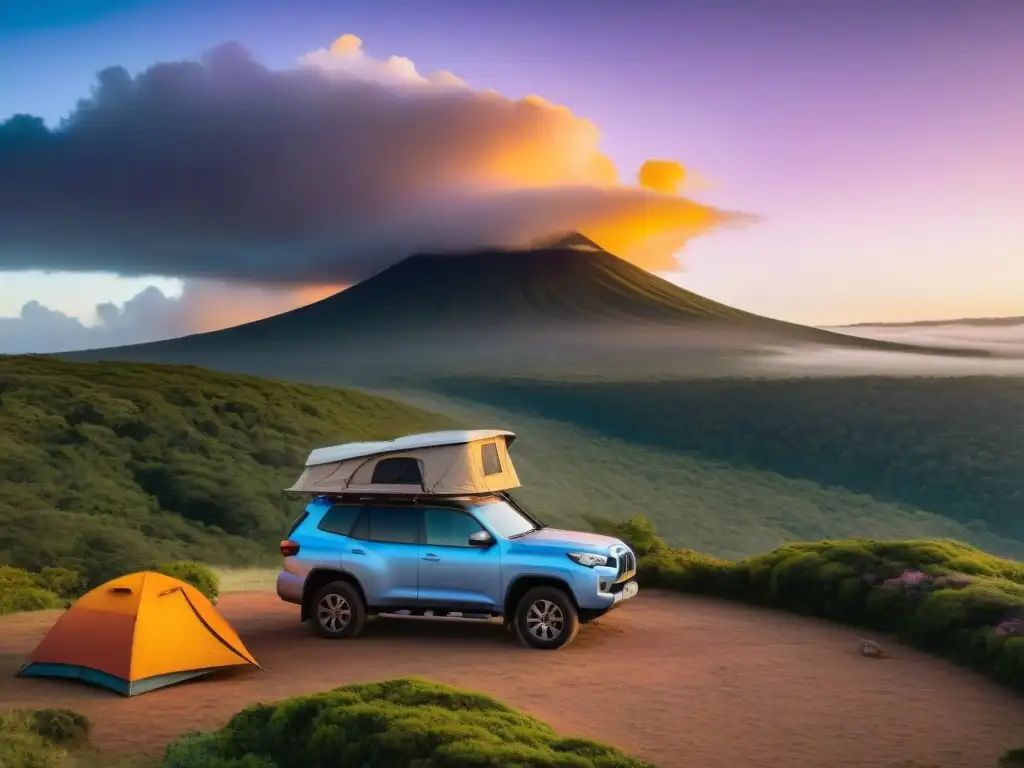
{"type": "Point", "coordinates": [443, 463]}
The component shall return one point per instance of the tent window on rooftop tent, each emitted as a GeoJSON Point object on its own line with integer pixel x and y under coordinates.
{"type": "Point", "coordinates": [489, 459]}
{"type": "Point", "coordinates": [401, 470]}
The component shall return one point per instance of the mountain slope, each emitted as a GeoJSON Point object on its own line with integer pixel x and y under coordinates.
{"type": "Point", "coordinates": [108, 468]}
{"type": "Point", "coordinates": [571, 304]}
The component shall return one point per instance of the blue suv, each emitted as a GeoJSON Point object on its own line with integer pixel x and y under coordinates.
{"type": "Point", "coordinates": [350, 557]}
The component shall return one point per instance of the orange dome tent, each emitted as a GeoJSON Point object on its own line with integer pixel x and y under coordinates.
{"type": "Point", "coordinates": [137, 633]}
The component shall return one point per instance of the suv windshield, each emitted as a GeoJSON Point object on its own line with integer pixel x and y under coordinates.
{"type": "Point", "coordinates": [504, 519]}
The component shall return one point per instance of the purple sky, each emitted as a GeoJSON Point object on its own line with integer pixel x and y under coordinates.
{"type": "Point", "coordinates": [881, 140]}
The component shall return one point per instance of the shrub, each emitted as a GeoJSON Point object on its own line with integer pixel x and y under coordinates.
{"type": "Point", "coordinates": [61, 726]}
{"type": "Point", "coordinates": [63, 582]}
{"type": "Point", "coordinates": [14, 600]}
{"type": "Point", "coordinates": [198, 575]}
{"type": "Point", "coordinates": [39, 738]}
{"type": "Point", "coordinates": [23, 591]}
{"type": "Point", "coordinates": [1012, 758]}
{"type": "Point", "coordinates": [394, 724]}
{"type": "Point", "coordinates": [942, 596]}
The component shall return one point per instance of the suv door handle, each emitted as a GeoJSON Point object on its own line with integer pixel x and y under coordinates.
{"type": "Point", "coordinates": [431, 557]}
{"type": "Point", "coordinates": [358, 551]}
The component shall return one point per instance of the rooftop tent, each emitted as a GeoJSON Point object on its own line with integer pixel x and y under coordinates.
{"type": "Point", "coordinates": [138, 633]}
{"type": "Point", "coordinates": [443, 463]}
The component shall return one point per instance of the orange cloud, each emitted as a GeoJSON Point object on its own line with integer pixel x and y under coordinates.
{"type": "Point", "coordinates": [665, 176]}
{"type": "Point", "coordinates": [546, 145]}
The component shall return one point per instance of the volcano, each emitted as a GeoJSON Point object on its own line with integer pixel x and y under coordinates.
{"type": "Point", "coordinates": [567, 304]}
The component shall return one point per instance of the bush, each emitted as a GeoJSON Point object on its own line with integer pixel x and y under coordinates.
{"type": "Point", "coordinates": [941, 596]}
{"type": "Point", "coordinates": [24, 591]}
{"type": "Point", "coordinates": [198, 575]}
{"type": "Point", "coordinates": [61, 726]}
{"type": "Point", "coordinates": [63, 582]}
{"type": "Point", "coordinates": [395, 724]}
{"type": "Point", "coordinates": [39, 738]}
{"type": "Point", "coordinates": [1012, 758]}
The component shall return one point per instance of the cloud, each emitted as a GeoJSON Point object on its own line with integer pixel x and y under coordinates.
{"type": "Point", "coordinates": [665, 176]}
{"type": "Point", "coordinates": [325, 173]}
{"type": "Point", "coordinates": [150, 315]}
{"type": "Point", "coordinates": [346, 57]}
{"type": "Point", "coordinates": [1003, 338]}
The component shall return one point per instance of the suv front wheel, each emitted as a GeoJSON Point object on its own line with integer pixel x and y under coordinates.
{"type": "Point", "coordinates": [546, 618]}
{"type": "Point", "coordinates": [338, 611]}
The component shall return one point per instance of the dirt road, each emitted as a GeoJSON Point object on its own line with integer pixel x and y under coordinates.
{"type": "Point", "coordinates": [680, 681]}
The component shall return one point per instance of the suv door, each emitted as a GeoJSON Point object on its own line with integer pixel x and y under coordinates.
{"type": "Point", "coordinates": [383, 554]}
{"type": "Point", "coordinates": [452, 573]}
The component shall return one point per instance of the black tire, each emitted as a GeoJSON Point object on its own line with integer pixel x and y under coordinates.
{"type": "Point", "coordinates": [338, 611]}
{"type": "Point", "coordinates": [546, 618]}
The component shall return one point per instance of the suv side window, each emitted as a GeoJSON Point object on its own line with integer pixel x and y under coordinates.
{"type": "Point", "coordinates": [448, 527]}
{"type": "Point", "coordinates": [361, 529]}
{"type": "Point", "coordinates": [391, 525]}
{"type": "Point", "coordinates": [339, 518]}
{"type": "Point", "coordinates": [295, 525]}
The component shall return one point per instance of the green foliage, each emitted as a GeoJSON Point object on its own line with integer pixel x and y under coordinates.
{"type": "Point", "coordinates": [110, 468]}
{"type": "Point", "coordinates": [406, 723]}
{"type": "Point", "coordinates": [24, 591]}
{"type": "Point", "coordinates": [39, 738]}
{"type": "Point", "coordinates": [63, 582]}
{"type": "Point", "coordinates": [1012, 758]}
{"type": "Point", "coordinates": [61, 726]}
{"type": "Point", "coordinates": [198, 575]}
{"type": "Point", "coordinates": [942, 596]}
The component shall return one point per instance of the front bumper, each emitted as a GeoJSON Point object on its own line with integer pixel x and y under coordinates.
{"type": "Point", "coordinates": [627, 590]}
{"type": "Point", "coordinates": [605, 601]}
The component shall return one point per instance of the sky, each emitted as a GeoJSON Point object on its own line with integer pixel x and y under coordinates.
{"type": "Point", "coordinates": [876, 143]}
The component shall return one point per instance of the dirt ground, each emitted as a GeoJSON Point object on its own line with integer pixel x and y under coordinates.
{"type": "Point", "coordinates": [680, 681]}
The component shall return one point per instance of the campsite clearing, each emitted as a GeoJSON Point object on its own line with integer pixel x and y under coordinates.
{"type": "Point", "coordinates": [680, 681]}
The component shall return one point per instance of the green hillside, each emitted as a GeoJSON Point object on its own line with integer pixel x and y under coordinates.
{"type": "Point", "coordinates": [736, 466]}
{"type": "Point", "coordinates": [109, 467]}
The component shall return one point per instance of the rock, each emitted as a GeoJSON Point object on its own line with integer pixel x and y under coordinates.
{"type": "Point", "coordinates": [871, 649]}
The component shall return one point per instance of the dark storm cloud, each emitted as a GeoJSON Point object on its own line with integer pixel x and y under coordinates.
{"type": "Point", "coordinates": [223, 169]}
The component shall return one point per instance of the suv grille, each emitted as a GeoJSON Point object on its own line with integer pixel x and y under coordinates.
{"type": "Point", "coordinates": [627, 565]}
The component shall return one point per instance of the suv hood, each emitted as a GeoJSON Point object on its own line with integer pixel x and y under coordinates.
{"type": "Point", "coordinates": [555, 537]}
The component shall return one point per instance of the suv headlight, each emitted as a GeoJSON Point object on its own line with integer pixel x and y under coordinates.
{"type": "Point", "coordinates": [587, 559]}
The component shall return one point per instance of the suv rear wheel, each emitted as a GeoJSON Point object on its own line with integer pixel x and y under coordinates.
{"type": "Point", "coordinates": [338, 611]}
{"type": "Point", "coordinates": [546, 618]}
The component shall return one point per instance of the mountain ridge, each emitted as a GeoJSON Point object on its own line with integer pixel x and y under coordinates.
{"type": "Point", "coordinates": [559, 289]}
{"type": "Point", "coordinates": [981, 322]}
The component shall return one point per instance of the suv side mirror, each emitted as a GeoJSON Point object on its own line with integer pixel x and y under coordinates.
{"type": "Point", "coordinates": [480, 539]}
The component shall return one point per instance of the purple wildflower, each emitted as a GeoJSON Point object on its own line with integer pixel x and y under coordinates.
{"type": "Point", "coordinates": [908, 579]}
{"type": "Point", "coordinates": [1011, 627]}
